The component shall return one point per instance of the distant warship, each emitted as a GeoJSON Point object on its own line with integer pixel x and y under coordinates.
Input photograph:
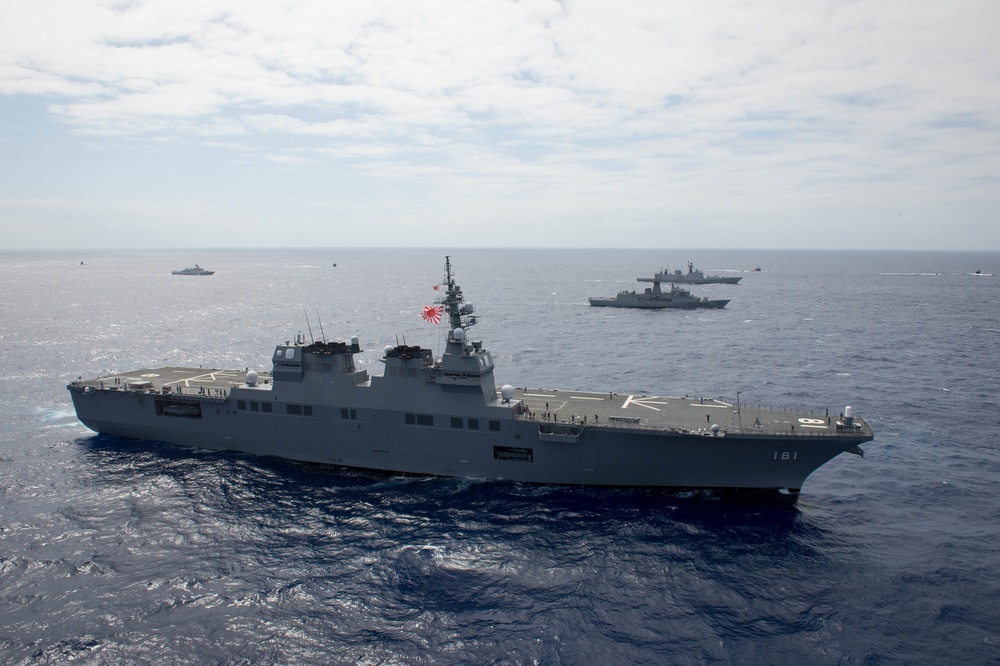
{"type": "Point", "coordinates": [197, 270]}
{"type": "Point", "coordinates": [446, 416]}
{"type": "Point", "coordinates": [695, 277]}
{"type": "Point", "coordinates": [655, 297]}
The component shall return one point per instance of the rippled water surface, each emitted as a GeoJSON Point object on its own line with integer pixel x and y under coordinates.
{"type": "Point", "coordinates": [121, 552]}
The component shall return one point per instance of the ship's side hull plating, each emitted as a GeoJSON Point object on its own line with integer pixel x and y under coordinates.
{"type": "Point", "coordinates": [502, 446]}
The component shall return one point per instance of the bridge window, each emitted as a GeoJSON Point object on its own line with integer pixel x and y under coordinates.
{"type": "Point", "coordinates": [419, 419]}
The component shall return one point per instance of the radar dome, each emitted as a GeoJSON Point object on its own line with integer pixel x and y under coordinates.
{"type": "Point", "coordinates": [459, 334]}
{"type": "Point", "coordinates": [388, 348]}
{"type": "Point", "coordinates": [507, 392]}
{"type": "Point", "coordinates": [252, 378]}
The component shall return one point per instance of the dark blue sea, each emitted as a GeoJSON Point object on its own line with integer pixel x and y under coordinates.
{"type": "Point", "coordinates": [120, 552]}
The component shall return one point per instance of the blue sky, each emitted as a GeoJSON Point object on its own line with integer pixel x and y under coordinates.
{"type": "Point", "coordinates": [729, 124]}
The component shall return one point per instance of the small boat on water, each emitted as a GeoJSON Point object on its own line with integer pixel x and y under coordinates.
{"type": "Point", "coordinates": [197, 270]}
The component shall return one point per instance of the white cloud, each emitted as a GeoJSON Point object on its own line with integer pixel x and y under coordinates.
{"type": "Point", "coordinates": [538, 111]}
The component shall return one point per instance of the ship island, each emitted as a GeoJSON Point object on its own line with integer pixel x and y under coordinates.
{"type": "Point", "coordinates": [447, 417]}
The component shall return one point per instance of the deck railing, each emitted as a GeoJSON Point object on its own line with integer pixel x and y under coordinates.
{"type": "Point", "coordinates": [861, 427]}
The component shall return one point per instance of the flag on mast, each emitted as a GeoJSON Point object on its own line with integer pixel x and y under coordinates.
{"type": "Point", "coordinates": [432, 313]}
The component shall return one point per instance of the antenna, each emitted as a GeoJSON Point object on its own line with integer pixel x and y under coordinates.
{"type": "Point", "coordinates": [321, 333]}
{"type": "Point", "coordinates": [309, 327]}
{"type": "Point", "coordinates": [739, 412]}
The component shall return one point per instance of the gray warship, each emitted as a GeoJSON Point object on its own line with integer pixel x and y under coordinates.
{"type": "Point", "coordinates": [196, 270]}
{"type": "Point", "coordinates": [446, 416]}
{"type": "Point", "coordinates": [694, 276]}
{"type": "Point", "coordinates": [655, 298]}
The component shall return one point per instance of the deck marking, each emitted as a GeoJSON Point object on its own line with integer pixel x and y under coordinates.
{"type": "Point", "coordinates": [695, 404]}
{"type": "Point", "coordinates": [583, 397]}
{"type": "Point", "coordinates": [642, 402]}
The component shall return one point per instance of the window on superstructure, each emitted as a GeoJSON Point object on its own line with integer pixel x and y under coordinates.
{"type": "Point", "coordinates": [411, 419]}
{"type": "Point", "coordinates": [307, 410]}
{"type": "Point", "coordinates": [294, 410]}
{"type": "Point", "coordinates": [265, 407]}
{"type": "Point", "coordinates": [456, 422]}
{"type": "Point", "coordinates": [473, 424]}
{"type": "Point", "coordinates": [494, 425]}
{"type": "Point", "coordinates": [241, 404]}
{"type": "Point", "coordinates": [254, 407]}
{"type": "Point", "coordinates": [425, 420]}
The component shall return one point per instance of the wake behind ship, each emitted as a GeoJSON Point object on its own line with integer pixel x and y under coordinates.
{"type": "Point", "coordinates": [446, 417]}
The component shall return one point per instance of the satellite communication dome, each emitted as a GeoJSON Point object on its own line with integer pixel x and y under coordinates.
{"type": "Point", "coordinates": [252, 378]}
{"type": "Point", "coordinates": [388, 348]}
{"type": "Point", "coordinates": [459, 334]}
{"type": "Point", "coordinates": [507, 392]}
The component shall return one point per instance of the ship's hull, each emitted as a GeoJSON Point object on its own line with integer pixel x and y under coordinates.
{"type": "Point", "coordinates": [656, 304]}
{"type": "Point", "coordinates": [706, 280]}
{"type": "Point", "coordinates": [506, 447]}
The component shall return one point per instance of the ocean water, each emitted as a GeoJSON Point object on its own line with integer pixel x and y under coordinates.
{"type": "Point", "coordinates": [142, 553]}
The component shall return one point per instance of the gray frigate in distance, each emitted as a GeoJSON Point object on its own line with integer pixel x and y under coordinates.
{"type": "Point", "coordinates": [694, 276]}
{"type": "Point", "coordinates": [655, 298]}
{"type": "Point", "coordinates": [196, 270]}
{"type": "Point", "coordinates": [446, 417]}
